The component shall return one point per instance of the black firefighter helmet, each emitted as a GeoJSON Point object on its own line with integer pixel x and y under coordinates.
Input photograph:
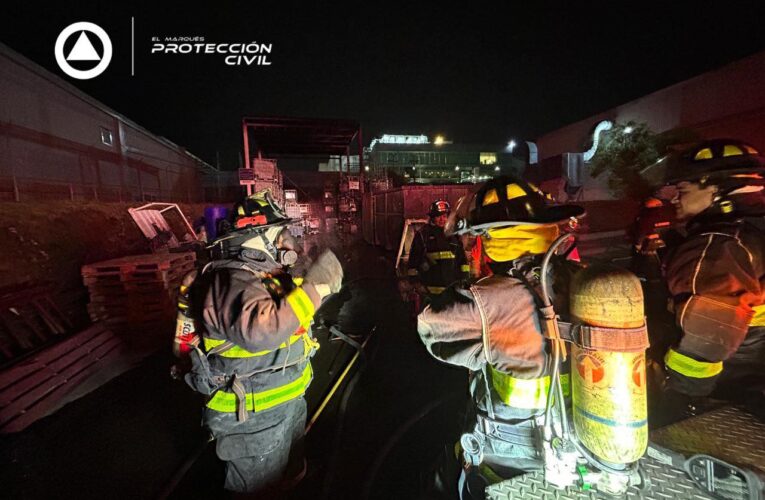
{"type": "Point", "coordinates": [439, 207]}
{"type": "Point", "coordinates": [734, 167]}
{"type": "Point", "coordinates": [251, 217]}
{"type": "Point", "coordinates": [506, 201]}
{"type": "Point", "coordinates": [259, 210]}
{"type": "Point", "coordinates": [727, 163]}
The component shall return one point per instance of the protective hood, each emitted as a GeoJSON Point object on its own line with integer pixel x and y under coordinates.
{"type": "Point", "coordinates": [509, 243]}
{"type": "Point", "coordinates": [259, 242]}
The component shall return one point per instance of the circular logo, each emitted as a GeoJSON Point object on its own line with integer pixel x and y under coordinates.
{"type": "Point", "coordinates": [590, 367]}
{"type": "Point", "coordinates": [83, 50]}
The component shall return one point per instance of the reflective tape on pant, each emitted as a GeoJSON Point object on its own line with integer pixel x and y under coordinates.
{"type": "Point", "coordinates": [521, 393]}
{"type": "Point", "coordinates": [440, 255]}
{"type": "Point", "coordinates": [226, 402]}
{"type": "Point", "coordinates": [301, 305]}
{"type": "Point", "coordinates": [685, 365]}
{"type": "Point", "coordinates": [465, 268]}
{"type": "Point", "coordinates": [239, 352]}
{"type": "Point", "coordinates": [435, 289]}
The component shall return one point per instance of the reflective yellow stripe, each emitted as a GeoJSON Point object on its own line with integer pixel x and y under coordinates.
{"type": "Point", "coordinates": [297, 281]}
{"type": "Point", "coordinates": [759, 316]}
{"type": "Point", "coordinates": [259, 401]}
{"type": "Point", "coordinates": [440, 255]}
{"type": "Point", "coordinates": [689, 367]}
{"type": "Point", "coordinates": [565, 384]}
{"type": "Point", "coordinates": [465, 268]}
{"type": "Point", "coordinates": [302, 306]}
{"type": "Point", "coordinates": [412, 272]}
{"type": "Point", "coordinates": [435, 289]}
{"type": "Point", "coordinates": [239, 352]}
{"type": "Point", "coordinates": [521, 393]}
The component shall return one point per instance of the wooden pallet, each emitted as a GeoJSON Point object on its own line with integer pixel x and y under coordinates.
{"type": "Point", "coordinates": [158, 276]}
{"type": "Point", "coordinates": [33, 388]}
{"type": "Point", "coordinates": [29, 318]}
{"type": "Point", "coordinates": [141, 264]}
{"type": "Point", "coordinates": [133, 293]}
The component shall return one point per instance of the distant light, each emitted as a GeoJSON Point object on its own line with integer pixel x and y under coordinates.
{"type": "Point", "coordinates": [628, 130]}
{"type": "Point", "coordinates": [457, 167]}
{"type": "Point", "coordinates": [511, 145]}
{"type": "Point", "coordinates": [496, 169]}
{"type": "Point", "coordinates": [399, 139]}
{"type": "Point", "coordinates": [366, 168]}
{"type": "Point", "coordinates": [414, 168]}
{"type": "Point", "coordinates": [439, 140]}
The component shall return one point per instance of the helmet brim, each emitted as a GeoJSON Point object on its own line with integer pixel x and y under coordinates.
{"type": "Point", "coordinates": [550, 214]}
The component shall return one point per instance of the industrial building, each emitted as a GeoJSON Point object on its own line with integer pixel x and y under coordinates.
{"type": "Point", "coordinates": [60, 143]}
{"type": "Point", "coordinates": [726, 102]}
{"type": "Point", "coordinates": [417, 159]}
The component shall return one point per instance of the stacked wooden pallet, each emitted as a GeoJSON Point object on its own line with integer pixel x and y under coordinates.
{"type": "Point", "coordinates": [29, 319]}
{"type": "Point", "coordinates": [136, 295]}
{"type": "Point", "coordinates": [40, 384]}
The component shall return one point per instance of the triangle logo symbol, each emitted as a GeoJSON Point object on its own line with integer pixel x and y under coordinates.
{"type": "Point", "coordinates": [83, 50]}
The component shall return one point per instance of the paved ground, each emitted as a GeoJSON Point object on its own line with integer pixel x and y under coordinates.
{"type": "Point", "coordinates": [396, 412]}
{"type": "Point", "coordinates": [129, 438]}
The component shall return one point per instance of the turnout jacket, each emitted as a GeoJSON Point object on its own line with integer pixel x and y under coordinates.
{"type": "Point", "coordinates": [255, 337]}
{"type": "Point", "coordinates": [716, 281]}
{"type": "Point", "coordinates": [493, 328]}
{"type": "Point", "coordinates": [437, 260]}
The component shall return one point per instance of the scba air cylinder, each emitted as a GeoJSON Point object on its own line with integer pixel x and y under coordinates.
{"type": "Point", "coordinates": [609, 384]}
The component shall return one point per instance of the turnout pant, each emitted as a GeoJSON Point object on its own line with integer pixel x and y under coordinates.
{"type": "Point", "coordinates": [258, 450]}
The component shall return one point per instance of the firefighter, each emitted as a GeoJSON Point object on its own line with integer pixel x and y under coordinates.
{"type": "Point", "coordinates": [253, 355]}
{"type": "Point", "coordinates": [435, 259]}
{"type": "Point", "coordinates": [715, 275]}
{"type": "Point", "coordinates": [493, 327]}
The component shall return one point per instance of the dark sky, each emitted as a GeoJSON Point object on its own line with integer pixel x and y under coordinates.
{"type": "Point", "coordinates": [476, 74]}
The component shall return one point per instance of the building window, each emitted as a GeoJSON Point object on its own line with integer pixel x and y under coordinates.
{"type": "Point", "coordinates": [488, 158]}
{"type": "Point", "coordinates": [106, 136]}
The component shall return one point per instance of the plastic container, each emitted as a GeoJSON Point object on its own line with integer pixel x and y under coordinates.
{"type": "Point", "coordinates": [213, 214]}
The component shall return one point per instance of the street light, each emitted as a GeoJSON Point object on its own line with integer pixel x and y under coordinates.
{"type": "Point", "coordinates": [439, 140]}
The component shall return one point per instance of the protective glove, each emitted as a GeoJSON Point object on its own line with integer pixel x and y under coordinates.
{"type": "Point", "coordinates": [326, 270]}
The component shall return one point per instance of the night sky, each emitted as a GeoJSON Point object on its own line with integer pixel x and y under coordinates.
{"type": "Point", "coordinates": [475, 74]}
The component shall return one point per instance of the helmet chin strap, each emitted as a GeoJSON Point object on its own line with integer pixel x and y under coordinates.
{"type": "Point", "coordinates": [270, 247]}
{"type": "Point", "coordinates": [282, 257]}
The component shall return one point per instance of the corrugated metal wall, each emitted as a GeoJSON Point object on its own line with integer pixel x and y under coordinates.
{"type": "Point", "coordinates": [58, 143]}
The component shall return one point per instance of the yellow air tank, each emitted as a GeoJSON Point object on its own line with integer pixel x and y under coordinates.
{"type": "Point", "coordinates": [609, 386]}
